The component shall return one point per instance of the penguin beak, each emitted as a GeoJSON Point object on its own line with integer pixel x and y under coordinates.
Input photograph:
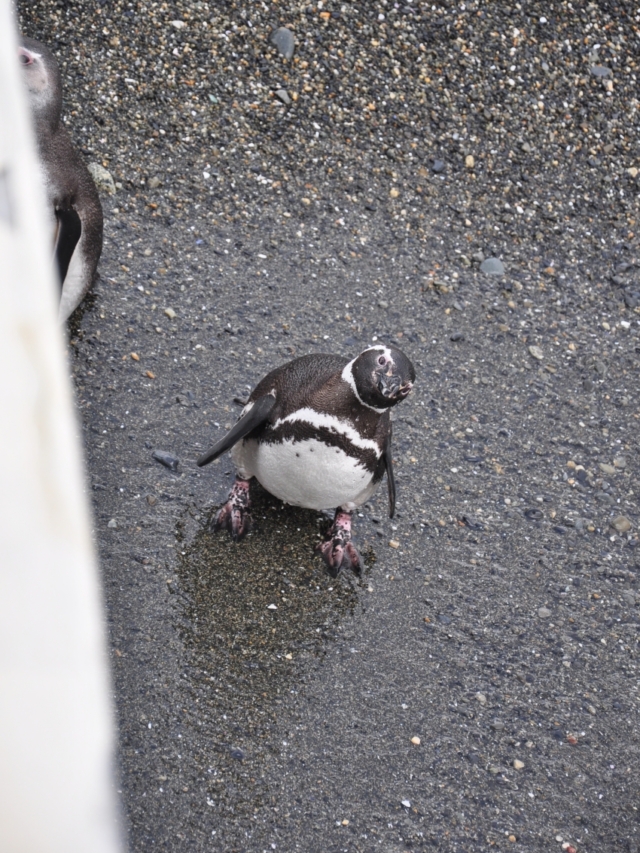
{"type": "Point", "coordinates": [391, 386]}
{"type": "Point", "coordinates": [388, 384]}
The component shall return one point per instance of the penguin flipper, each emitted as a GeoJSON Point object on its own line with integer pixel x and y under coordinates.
{"type": "Point", "coordinates": [85, 217]}
{"type": "Point", "coordinates": [391, 483]}
{"type": "Point", "coordinates": [68, 231]}
{"type": "Point", "coordinates": [257, 415]}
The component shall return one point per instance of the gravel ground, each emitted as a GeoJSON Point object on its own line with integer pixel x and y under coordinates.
{"type": "Point", "coordinates": [478, 687]}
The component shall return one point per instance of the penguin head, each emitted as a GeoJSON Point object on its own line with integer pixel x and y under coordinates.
{"type": "Point", "coordinates": [383, 376]}
{"type": "Point", "coordinates": [42, 78]}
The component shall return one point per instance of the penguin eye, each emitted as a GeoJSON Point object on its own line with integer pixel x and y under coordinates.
{"type": "Point", "coordinates": [382, 360]}
{"type": "Point", "coordinates": [25, 59]}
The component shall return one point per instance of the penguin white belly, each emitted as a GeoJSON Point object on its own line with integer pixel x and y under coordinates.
{"type": "Point", "coordinates": [306, 473]}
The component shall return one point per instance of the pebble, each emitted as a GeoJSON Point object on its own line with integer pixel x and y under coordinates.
{"type": "Point", "coordinates": [482, 699]}
{"type": "Point", "coordinates": [152, 500]}
{"type": "Point", "coordinates": [102, 179]}
{"type": "Point", "coordinates": [285, 41]}
{"type": "Point", "coordinates": [457, 336]}
{"type": "Point", "coordinates": [283, 96]}
{"type": "Point", "coordinates": [621, 524]}
{"type": "Point", "coordinates": [272, 606]}
{"type": "Point", "coordinates": [544, 612]}
{"type": "Point", "coordinates": [629, 597]}
{"type": "Point", "coordinates": [536, 352]}
{"type": "Point", "coordinates": [154, 182]}
{"type": "Point", "coordinates": [167, 459]}
{"type": "Point", "coordinates": [606, 468]}
{"type": "Point", "coordinates": [170, 313]}
{"type": "Point", "coordinates": [533, 514]}
{"type": "Point", "coordinates": [518, 764]}
{"type": "Point", "coordinates": [415, 740]}
{"type": "Point", "coordinates": [600, 71]}
{"type": "Point", "coordinates": [394, 543]}
{"type": "Point", "coordinates": [620, 462]}
{"type": "Point", "coordinates": [394, 193]}
{"type": "Point", "coordinates": [406, 803]}
{"type": "Point", "coordinates": [438, 166]}
{"type": "Point", "coordinates": [112, 523]}
{"type": "Point", "coordinates": [469, 161]}
{"type": "Point", "coordinates": [179, 25]}
{"type": "Point", "coordinates": [492, 266]}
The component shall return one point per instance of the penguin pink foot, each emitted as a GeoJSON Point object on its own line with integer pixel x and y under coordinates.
{"type": "Point", "coordinates": [234, 516]}
{"type": "Point", "coordinates": [337, 550]}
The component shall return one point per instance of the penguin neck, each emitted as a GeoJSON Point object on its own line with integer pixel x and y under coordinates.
{"type": "Point", "coordinates": [347, 376]}
{"type": "Point", "coordinates": [46, 109]}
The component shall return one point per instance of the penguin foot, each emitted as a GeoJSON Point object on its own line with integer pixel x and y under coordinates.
{"type": "Point", "coordinates": [337, 550]}
{"type": "Point", "coordinates": [234, 516]}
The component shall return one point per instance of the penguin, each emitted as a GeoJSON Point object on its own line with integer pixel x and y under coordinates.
{"type": "Point", "coordinates": [316, 433]}
{"type": "Point", "coordinates": [74, 209]}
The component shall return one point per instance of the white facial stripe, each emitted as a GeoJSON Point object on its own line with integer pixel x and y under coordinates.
{"type": "Point", "coordinates": [318, 419]}
{"type": "Point", "coordinates": [347, 376]}
{"type": "Point", "coordinates": [382, 349]}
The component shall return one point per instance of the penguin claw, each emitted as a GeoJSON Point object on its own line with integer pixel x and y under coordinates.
{"type": "Point", "coordinates": [337, 550]}
{"type": "Point", "coordinates": [234, 515]}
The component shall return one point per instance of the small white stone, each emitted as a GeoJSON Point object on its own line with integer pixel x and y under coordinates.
{"type": "Point", "coordinates": [179, 25]}
{"type": "Point", "coordinates": [482, 699]}
{"type": "Point", "coordinates": [102, 178]}
{"type": "Point", "coordinates": [272, 606]}
{"type": "Point", "coordinates": [170, 313]}
{"type": "Point", "coordinates": [406, 804]}
{"type": "Point", "coordinates": [536, 352]}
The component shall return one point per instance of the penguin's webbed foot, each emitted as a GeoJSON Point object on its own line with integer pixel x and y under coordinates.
{"type": "Point", "coordinates": [234, 516]}
{"type": "Point", "coordinates": [337, 550]}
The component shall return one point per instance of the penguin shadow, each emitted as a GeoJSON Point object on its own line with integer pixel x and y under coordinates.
{"type": "Point", "coordinates": [87, 306]}
{"type": "Point", "coordinates": [257, 608]}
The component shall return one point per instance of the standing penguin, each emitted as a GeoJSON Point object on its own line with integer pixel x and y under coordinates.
{"type": "Point", "coordinates": [73, 201]}
{"type": "Point", "coordinates": [316, 433]}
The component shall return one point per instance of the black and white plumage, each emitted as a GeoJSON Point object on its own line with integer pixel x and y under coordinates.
{"type": "Point", "coordinates": [73, 202]}
{"type": "Point", "coordinates": [316, 433]}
